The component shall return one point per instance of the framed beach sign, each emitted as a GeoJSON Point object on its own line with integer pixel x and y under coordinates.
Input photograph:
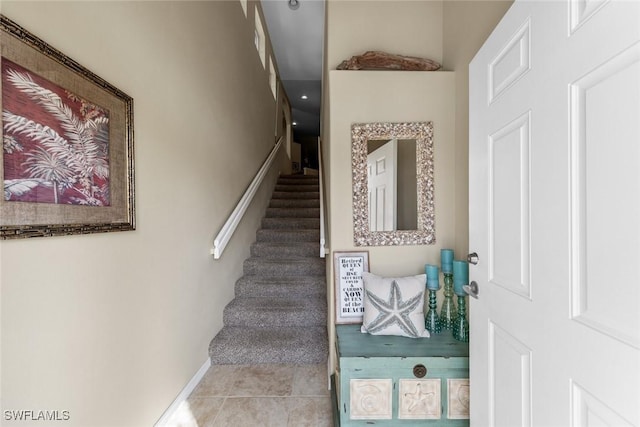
{"type": "Point", "coordinates": [349, 286]}
{"type": "Point", "coordinates": [67, 143]}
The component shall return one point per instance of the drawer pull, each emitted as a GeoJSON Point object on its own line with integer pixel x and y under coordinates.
{"type": "Point", "coordinates": [419, 371]}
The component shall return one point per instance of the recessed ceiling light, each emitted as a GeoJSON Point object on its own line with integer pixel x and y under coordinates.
{"type": "Point", "coordinates": [294, 124]}
{"type": "Point", "coordinates": [304, 97]}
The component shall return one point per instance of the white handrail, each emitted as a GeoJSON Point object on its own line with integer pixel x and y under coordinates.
{"type": "Point", "coordinates": [223, 237]}
{"type": "Point", "coordinates": [322, 214]}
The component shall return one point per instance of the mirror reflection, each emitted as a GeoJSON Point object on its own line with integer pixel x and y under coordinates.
{"type": "Point", "coordinates": [392, 184]}
{"type": "Point", "coordinates": [392, 167]}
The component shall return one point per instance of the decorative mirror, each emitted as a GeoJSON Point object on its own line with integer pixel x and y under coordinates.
{"type": "Point", "coordinates": [393, 190]}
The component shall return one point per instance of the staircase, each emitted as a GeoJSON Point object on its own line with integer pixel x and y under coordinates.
{"type": "Point", "coordinates": [279, 313]}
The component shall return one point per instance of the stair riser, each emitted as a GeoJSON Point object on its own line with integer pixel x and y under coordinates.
{"type": "Point", "coordinates": [257, 267]}
{"type": "Point", "coordinates": [298, 181]}
{"type": "Point", "coordinates": [293, 250]}
{"type": "Point", "coordinates": [291, 223]}
{"type": "Point", "coordinates": [293, 213]}
{"type": "Point", "coordinates": [242, 356]}
{"type": "Point", "coordinates": [288, 236]}
{"type": "Point", "coordinates": [294, 203]}
{"type": "Point", "coordinates": [297, 188]}
{"type": "Point", "coordinates": [260, 286]}
{"type": "Point", "coordinates": [272, 290]}
{"type": "Point", "coordinates": [242, 346]}
{"type": "Point", "coordinates": [295, 195]}
{"type": "Point", "coordinates": [274, 318]}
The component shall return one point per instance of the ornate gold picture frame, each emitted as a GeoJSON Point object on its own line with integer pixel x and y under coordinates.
{"type": "Point", "coordinates": [67, 162]}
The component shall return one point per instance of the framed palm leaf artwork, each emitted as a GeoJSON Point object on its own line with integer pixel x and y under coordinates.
{"type": "Point", "coordinates": [67, 143]}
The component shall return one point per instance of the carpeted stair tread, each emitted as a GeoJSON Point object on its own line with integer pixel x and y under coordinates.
{"type": "Point", "coordinates": [267, 312]}
{"type": "Point", "coordinates": [284, 267]}
{"type": "Point", "coordinates": [291, 223]}
{"type": "Point", "coordinates": [279, 312]}
{"type": "Point", "coordinates": [294, 203]}
{"type": "Point", "coordinates": [293, 213]}
{"type": "Point", "coordinates": [264, 286]}
{"type": "Point", "coordinates": [243, 346]}
{"type": "Point", "coordinates": [280, 235]}
{"type": "Point", "coordinates": [281, 250]}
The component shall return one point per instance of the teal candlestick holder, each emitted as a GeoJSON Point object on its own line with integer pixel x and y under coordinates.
{"type": "Point", "coordinates": [431, 320]}
{"type": "Point", "coordinates": [448, 312]}
{"type": "Point", "coordinates": [461, 325]}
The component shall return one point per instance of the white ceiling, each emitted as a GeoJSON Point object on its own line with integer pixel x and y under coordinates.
{"type": "Point", "coordinates": [296, 37]}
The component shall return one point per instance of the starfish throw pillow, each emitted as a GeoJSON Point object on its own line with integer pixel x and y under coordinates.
{"type": "Point", "coordinates": [394, 305]}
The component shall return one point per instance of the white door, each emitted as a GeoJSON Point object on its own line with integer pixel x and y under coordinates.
{"type": "Point", "coordinates": [382, 180]}
{"type": "Point", "coordinates": [555, 216]}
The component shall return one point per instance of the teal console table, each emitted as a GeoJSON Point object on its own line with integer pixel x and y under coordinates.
{"type": "Point", "coordinates": [398, 381]}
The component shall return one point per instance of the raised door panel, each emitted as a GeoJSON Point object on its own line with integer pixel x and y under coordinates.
{"type": "Point", "coordinates": [555, 201]}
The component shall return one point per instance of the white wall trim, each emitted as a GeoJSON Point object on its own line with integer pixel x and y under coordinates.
{"type": "Point", "coordinates": [183, 395]}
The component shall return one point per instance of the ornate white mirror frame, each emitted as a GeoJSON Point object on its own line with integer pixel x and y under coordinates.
{"type": "Point", "coordinates": [422, 133]}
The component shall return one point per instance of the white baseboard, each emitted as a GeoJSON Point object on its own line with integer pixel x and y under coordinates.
{"type": "Point", "coordinates": [184, 394]}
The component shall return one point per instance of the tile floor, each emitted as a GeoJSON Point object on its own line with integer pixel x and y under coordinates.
{"type": "Point", "coordinates": [259, 396]}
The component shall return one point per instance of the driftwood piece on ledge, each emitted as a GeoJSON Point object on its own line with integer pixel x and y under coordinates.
{"type": "Point", "coordinates": [376, 60]}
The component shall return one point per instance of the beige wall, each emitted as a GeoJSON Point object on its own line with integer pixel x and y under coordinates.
{"type": "Point", "coordinates": [467, 24]}
{"type": "Point", "coordinates": [111, 327]}
{"type": "Point", "coordinates": [402, 27]}
{"type": "Point", "coordinates": [352, 27]}
{"type": "Point", "coordinates": [398, 26]}
{"type": "Point", "coordinates": [389, 96]}
{"type": "Point", "coordinates": [392, 96]}
{"type": "Point", "coordinates": [449, 32]}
